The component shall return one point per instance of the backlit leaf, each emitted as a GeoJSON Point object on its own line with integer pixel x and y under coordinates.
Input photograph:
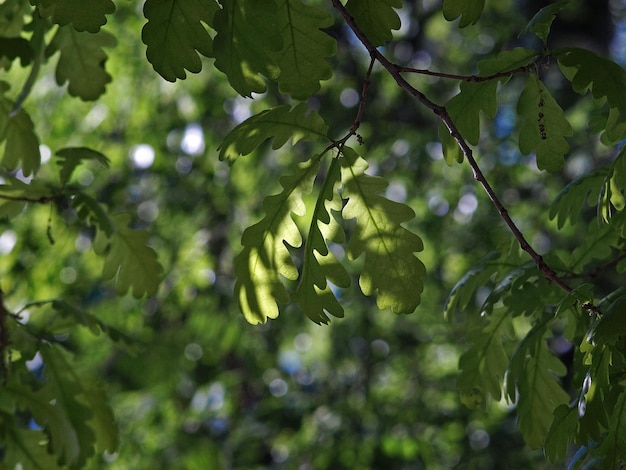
{"type": "Point", "coordinates": [265, 257]}
{"type": "Point", "coordinates": [314, 294]}
{"type": "Point", "coordinates": [247, 32]}
{"type": "Point", "coordinates": [82, 61]}
{"type": "Point", "coordinates": [543, 126]}
{"type": "Point", "coordinates": [175, 34]}
{"type": "Point", "coordinates": [391, 270]}
{"type": "Point", "coordinates": [281, 123]}
{"type": "Point", "coordinates": [561, 432]}
{"type": "Point", "coordinates": [376, 18]}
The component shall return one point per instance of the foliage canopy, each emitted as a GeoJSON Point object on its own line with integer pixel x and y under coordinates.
{"type": "Point", "coordinates": [334, 221]}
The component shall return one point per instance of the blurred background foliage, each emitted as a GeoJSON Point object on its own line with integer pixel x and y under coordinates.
{"type": "Point", "coordinates": [194, 386]}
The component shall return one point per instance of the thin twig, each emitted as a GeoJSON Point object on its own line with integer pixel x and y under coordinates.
{"type": "Point", "coordinates": [39, 200]}
{"type": "Point", "coordinates": [442, 113]}
{"type": "Point", "coordinates": [466, 78]}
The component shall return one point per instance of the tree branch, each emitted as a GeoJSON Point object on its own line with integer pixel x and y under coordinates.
{"type": "Point", "coordinates": [395, 71]}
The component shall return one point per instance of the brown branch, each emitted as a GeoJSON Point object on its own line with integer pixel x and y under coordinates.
{"type": "Point", "coordinates": [39, 200]}
{"type": "Point", "coordinates": [467, 78]}
{"type": "Point", "coordinates": [442, 113]}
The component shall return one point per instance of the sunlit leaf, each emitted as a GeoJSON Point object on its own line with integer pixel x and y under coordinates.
{"type": "Point", "coordinates": [265, 256]}
{"type": "Point", "coordinates": [280, 124]}
{"type": "Point", "coordinates": [302, 59]}
{"type": "Point", "coordinates": [82, 61]}
{"type": "Point", "coordinates": [247, 32]}
{"type": "Point", "coordinates": [83, 15]}
{"type": "Point", "coordinates": [175, 35]}
{"type": "Point", "coordinates": [391, 270]}
{"type": "Point", "coordinates": [376, 18]}
{"type": "Point", "coordinates": [129, 261]}
{"type": "Point", "coordinates": [314, 294]}
{"type": "Point", "coordinates": [544, 127]}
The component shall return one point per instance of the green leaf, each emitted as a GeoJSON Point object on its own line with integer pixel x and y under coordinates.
{"type": "Point", "coordinates": [25, 449]}
{"type": "Point", "coordinates": [314, 294]}
{"type": "Point", "coordinates": [63, 437]}
{"type": "Point", "coordinates": [90, 211]}
{"type": "Point", "coordinates": [11, 48]}
{"type": "Point", "coordinates": [128, 260]}
{"type": "Point", "coordinates": [391, 270]}
{"type": "Point", "coordinates": [611, 326]}
{"type": "Point", "coordinates": [281, 123]}
{"type": "Point", "coordinates": [544, 127]}
{"type": "Point", "coordinates": [376, 18]}
{"type": "Point", "coordinates": [15, 194]}
{"type": "Point", "coordinates": [612, 194]}
{"type": "Point", "coordinates": [561, 432]}
{"type": "Point", "coordinates": [22, 146]}
{"type": "Point", "coordinates": [82, 61]}
{"type": "Point", "coordinates": [305, 46]}
{"type": "Point", "coordinates": [247, 34]}
{"type": "Point", "coordinates": [175, 34]}
{"type": "Point", "coordinates": [483, 366]}
{"type": "Point", "coordinates": [265, 256]}
{"type": "Point", "coordinates": [102, 421]}
{"type": "Point", "coordinates": [577, 195]}
{"type": "Point", "coordinates": [612, 447]}
{"type": "Point", "coordinates": [71, 157]}
{"type": "Point", "coordinates": [531, 380]}
{"type": "Point", "coordinates": [468, 10]}
{"type": "Point", "coordinates": [465, 290]}
{"type": "Point", "coordinates": [541, 23]}
{"type": "Point", "coordinates": [64, 387]}
{"type": "Point", "coordinates": [82, 15]}
{"type": "Point", "coordinates": [589, 71]}
{"type": "Point", "coordinates": [476, 97]}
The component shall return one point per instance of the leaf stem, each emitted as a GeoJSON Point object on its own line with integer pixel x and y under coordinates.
{"type": "Point", "coordinates": [395, 71]}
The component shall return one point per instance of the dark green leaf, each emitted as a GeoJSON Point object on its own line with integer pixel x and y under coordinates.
{"type": "Point", "coordinates": [577, 195]}
{"type": "Point", "coordinates": [175, 34]}
{"type": "Point", "coordinates": [561, 432]}
{"type": "Point", "coordinates": [302, 59]}
{"type": "Point", "coordinates": [82, 15]}
{"type": "Point", "coordinates": [391, 270]}
{"type": "Point", "coordinates": [590, 71]}
{"type": "Point", "coordinates": [468, 10]}
{"type": "Point", "coordinates": [90, 211]}
{"type": "Point", "coordinates": [11, 48]}
{"type": "Point", "coordinates": [376, 18]}
{"type": "Point", "coordinates": [71, 157]}
{"type": "Point", "coordinates": [82, 61]}
{"type": "Point", "coordinates": [247, 34]}
{"type": "Point", "coordinates": [541, 23]}
{"type": "Point", "coordinates": [483, 366]}
{"type": "Point", "coordinates": [612, 447]}
{"type": "Point", "coordinates": [532, 382]}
